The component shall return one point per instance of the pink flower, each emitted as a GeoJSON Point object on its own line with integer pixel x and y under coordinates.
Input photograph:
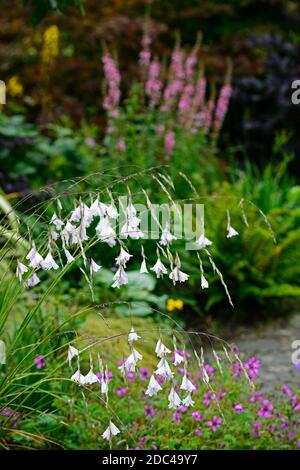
{"type": "Point", "coordinates": [265, 410]}
{"type": "Point", "coordinates": [255, 396]}
{"type": "Point", "coordinates": [153, 84]}
{"type": "Point", "coordinates": [215, 423]}
{"type": "Point", "coordinates": [252, 367]}
{"type": "Point", "coordinates": [144, 373]}
{"type": "Point", "coordinates": [221, 108]}
{"type": "Point", "coordinates": [286, 390]}
{"type": "Point", "coordinates": [208, 397]}
{"type": "Point", "coordinates": [149, 411]}
{"type": "Point", "coordinates": [130, 376]}
{"type": "Point", "coordinates": [39, 361]}
{"type": "Point", "coordinates": [196, 415]}
{"type": "Point", "coordinates": [255, 429]}
{"type": "Point", "coordinates": [145, 57]}
{"type": "Point", "coordinates": [109, 376]}
{"type": "Point", "coordinates": [121, 146]}
{"type": "Point", "coordinates": [120, 392]}
{"type": "Point", "coordinates": [197, 432]}
{"type": "Point", "coordinates": [169, 142]}
{"type": "Point", "coordinates": [177, 417]}
{"type": "Point", "coordinates": [238, 408]}
{"type": "Point", "coordinates": [182, 408]}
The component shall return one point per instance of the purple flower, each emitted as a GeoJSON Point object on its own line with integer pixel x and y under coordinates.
{"type": "Point", "coordinates": [265, 410]}
{"type": "Point", "coordinates": [221, 395]}
{"type": "Point", "coordinates": [8, 416]}
{"type": "Point", "coordinates": [295, 403]}
{"type": "Point", "coordinates": [286, 390]}
{"type": "Point", "coordinates": [214, 423]}
{"type": "Point", "coordinates": [121, 146]}
{"type": "Point", "coordinates": [130, 376]}
{"type": "Point", "coordinates": [238, 408]}
{"type": "Point", "coordinates": [252, 367]}
{"type": "Point", "coordinates": [297, 366]}
{"type": "Point", "coordinates": [149, 411]}
{"type": "Point", "coordinates": [39, 361]}
{"type": "Point", "coordinates": [169, 142]}
{"type": "Point", "coordinates": [160, 379]}
{"type": "Point", "coordinates": [120, 392]}
{"type": "Point", "coordinates": [109, 376]}
{"type": "Point", "coordinates": [255, 396]}
{"type": "Point", "coordinates": [209, 369]}
{"type": "Point", "coordinates": [197, 432]}
{"type": "Point", "coordinates": [208, 397]}
{"type": "Point", "coordinates": [255, 428]}
{"type": "Point", "coordinates": [177, 417]}
{"type": "Point", "coordinates": [236, 369]}
{"type": "Point", "coordinates": [196, 415]}
{"type": "Point", "coordinates": [144, 373]}
{"type": "Point", "coordinates": [182, 408]}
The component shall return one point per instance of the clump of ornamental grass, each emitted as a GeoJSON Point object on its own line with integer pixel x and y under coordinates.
{"type": "Point", "coordinates": [67, 232]}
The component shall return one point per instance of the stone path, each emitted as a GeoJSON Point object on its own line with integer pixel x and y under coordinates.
{"type": "Point", "coordinates": [272, 345]}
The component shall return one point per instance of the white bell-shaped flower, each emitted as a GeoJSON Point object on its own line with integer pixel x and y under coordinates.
{"type": "Point", "coordinates": [153, 387]}
{"type": "Point", "coordinates": [174, 399]}
{"type": "Point", "coordinates": [111, 431]}
{"type": "Point", "coordinates": [159, 269]}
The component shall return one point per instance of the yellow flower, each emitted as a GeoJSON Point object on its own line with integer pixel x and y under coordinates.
{"type": "Point", "coordinates": [14, 86]}
{"type": "Point", "coordinates": [170, 305]}
{"type": "Point", "coordinates": [178, 304]}
{"type": "Point", "coordinates": [50, 45]}
{"type": "Point", "coordinates": [174, 304]}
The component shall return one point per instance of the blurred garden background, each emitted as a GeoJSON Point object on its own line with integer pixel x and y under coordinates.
{"type": "Point", "coordinates": [173, 101]}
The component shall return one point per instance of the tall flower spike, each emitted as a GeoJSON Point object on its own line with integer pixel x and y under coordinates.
{"type": "Point", "coordinates": [231, 232]}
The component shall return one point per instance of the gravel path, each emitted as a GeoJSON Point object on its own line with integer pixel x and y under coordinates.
{"type": "Point", "coordinates": [272, 345]}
